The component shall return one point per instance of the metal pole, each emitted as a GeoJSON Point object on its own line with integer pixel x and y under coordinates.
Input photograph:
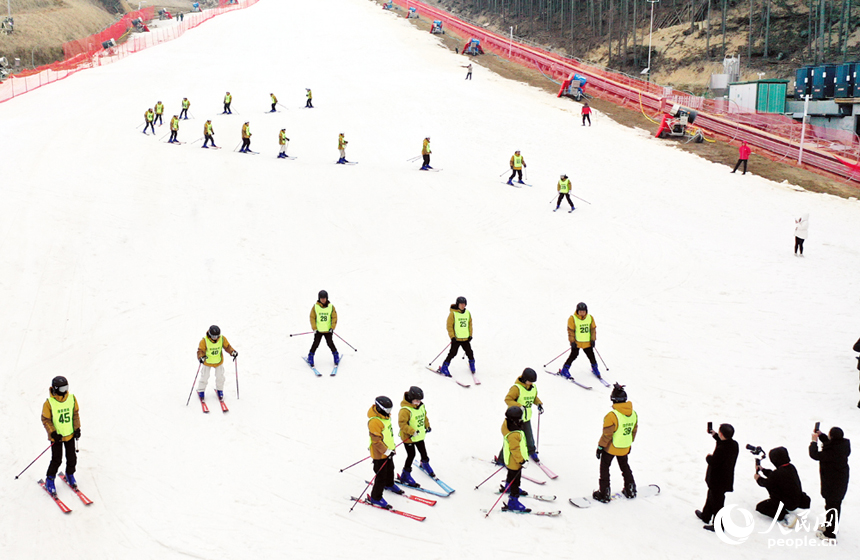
{"type": "Point", "coordinates": [650, 33]}
{"type": "Point", "coordinates": [511, 43]}
{"type": "Point", "coordinates": [803, 129]}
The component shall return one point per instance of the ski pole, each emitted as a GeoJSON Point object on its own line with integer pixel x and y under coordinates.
{"type": "Point", "coordinates": [601, 359]}
{"type": "Point", "coordinates": [345, 342]}
{"type": "Point", "coordinates": [371, 482]}
{"type": "Point", "coordinates": [163, 137]}
{"type": "Point", "coordinates": [500, 497]}
{"type": "Point", "coordinates": [365, 459]}
{"type": "Point", "coordinates": [281, 105]}
{"type": "Point", "coordinates": [34, 460]}
{"type": "Point", "coordinates": [192, 115]}
{"type": "Point", "coordinates": [236, 363]}
{"type": "Point", "coordinates": [489, 477]}
{"type": "Point", "coordinates": [439, 354]}
{"type": "Point", "coordinates": [195, 382]}
{"type": "Point", "coordinates": [413, 159]}
{"type": "Point", "coordinates": [503, 172]}
{"type": "Point", "coordinates": [138, 126]}
{"type": "Point", "coordinates": [526, 173]}
{"type": "Point", "coordinates": [301, 333]}
{"type": "Point", "coordinates": [237, 146]}
{"type": "Point", "coordinates": [557, 357]}
{"type": "Point", "coordinates": [537, 440]}
{"type": "Point", "coordinates": [582, 199]}
{"type": "Point", "coordinates": [552, 199]}
{"type": "Point", "coordinates": [198, 140]}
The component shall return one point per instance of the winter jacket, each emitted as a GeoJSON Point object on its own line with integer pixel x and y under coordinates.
{"type": "Point", "coordinates": [333, 315]}
{"type": "Point", "coordinates": [571, 333]}
{"type": "Point", "coordinates": [456, 309]}
{"type": "Point", "coordinates": [514, 394]}
{"type": "Point", "coordinates": [586, 110]}
{"type": "Point", "coordinates": [744, 151]}
{"type": "Point", "coordinates": [833, 465]}
{"type": "Point", "coordinates": [246, 131]}
{"type": "Point", "coordinates": [48, 417]}
{"type": "Point", "coordinates": [406, 430]}
{"type": "Point", "coordinates": [801, 230]}
{"type": "Point", "coordinates": [783, 483]}
{"type": "Point", "coordinates": [341, 142]}
{"type": "Point", "coordinates": [514, 163]}
{"type": "Point", "coordinates": [610, 424]}
{"type": "Point", "coordinates": [201, 350]}
{"type": "Point", "coordinates": [857, 345]}
{"type": "Point", "coordinates": [516, 459]}
{"type": "Point", "coordinates": [425, 148]}
{"type": "Point", "coordinates": [378, 449]}
{"type": "Point", "coordinates": [720, 475]}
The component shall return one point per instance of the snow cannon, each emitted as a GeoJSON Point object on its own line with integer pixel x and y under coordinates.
{"type": "Point", "coordinates": [195, 6]}
{"type": "Point", "coordinates": [675, 123]}
{"type": "Point", "coordinates": [473, 47]}
{"type": "Point", "coordinates": [7, 26]}
{"type": "Point", "coordinates": [108, 44]}
{"type": "Point", "coordinates": [436, 28]}
{"type": "Point", "coordinates": [412, 13]}
{"type": "Point", "coordinates": [388, 5]}
{"type": "Point", "coordinates": [572, 87]}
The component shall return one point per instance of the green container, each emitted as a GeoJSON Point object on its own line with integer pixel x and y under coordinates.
{"type": "Point", "coordinates": [771, 96]}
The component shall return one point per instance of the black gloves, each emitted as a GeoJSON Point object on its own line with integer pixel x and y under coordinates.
{"type": "Point", "coordinates": [78, 433]}
{"type": "Point", "coordinates": [234, 353]}
{"type": "Point", "coordinates": [599, 452]}
{"type": "Point", "coordinates": [469, 339]}
{"type": "Point", "coordinates": [201, 359]}
{"type": "Point", "coordinates": [391, 454]}
{"type": "Point", "coordinates": [428, 430]}
{"type": "Point", "coordinates": [453, 339]}
{"type": "Point", "coordinates": [56, 437]}
{"type": "Point", "coordinates": [540, 408]}
{"type": "Point", "coordinates": [594, 344]}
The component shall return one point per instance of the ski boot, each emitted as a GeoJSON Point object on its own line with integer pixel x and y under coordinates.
{"type": "Point", "coordinates": [565, 372]}
{"type": "Point", "coordinates": [515, 505]}
{"type": "Point", "coordinates": [428, 469]}
{"type": "Point", "coordinates": [311, 359]}
{"type": "Point", "coordinates": [340, 160]}
{"type": "Point", "coordinates": [472, 366]}
{"type": "Point", "coordinates": [571, 209]}
{"type": "Point", "coordinates": [629, 490]}
{"type": "Point", "coordinates": [511, 182]}
{"type": "Point", "coordinates": [556, 209]}
{"type": "Point", "coordinates": [201, 394]}
{"type": "Point", "coordinates": [336, 358]}
{"type": "Point", "coordinates": [220, 395]}
{"type": "Point", "coordinates": [70, 478]}
{"type": "Point", "coordinates": [406, 478]}
{"type": "Point", "coordinates": [379, 503]}
{"type": "Point", "coordinates": [395, 489]}
{"type": "Point", "coordinates": [502, 489]}
{"type": "Point", "coordinates": [444, 369]}
{"type": "Point", "coordinates": [424, 168]}
{"type": "Point", "coordinates": [594, 370]}
{"type": "Point", "coordinates": [534, 457]}
{"type": "Point", "coordinates": [601, 496]}
{"type": "Point", "coordinates": [521, 182]}
{"type": "Point", "coordinates": [49, 486]}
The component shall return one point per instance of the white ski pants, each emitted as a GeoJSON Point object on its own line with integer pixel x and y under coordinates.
{"type": "Point", "coordinates": [204, 377]}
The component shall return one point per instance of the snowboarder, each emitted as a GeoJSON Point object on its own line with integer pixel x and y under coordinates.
{"type": "Point", "coordinates": [310, 96]}
{"type": "Point", "coordinates": [323, 322]}
{"type": "Point", "coordinates": [833, 469]}
{"type": "Point", "coordinates": [801, 231]}
{"type": "Point", "coordinates": [468, 68]}
{"type": "Point", "coordinates": [341, 146]}
{"type": "Point", "coordinates": [183, 114]}
{"type": "Point", "coordinates": [149, 120]}
{"type": "Point", "coordinates": [425, 154]}
{"type": "Point", "coordinates": [381, 449]}
{"type": "Point", "coordinates": [586, 113]}
{"type": "Point", "coordinates": [783, 487]}
{"type": "Point", "coordinates": [282, 141]}
{"type": "Point", "coordinates": [619, 433]}
{"type": "Point", "coordinates": [228, 99]}
{"type": "Point", "coordinates": [246, 138]}
{"type": "Point", "coordinates": [720, 475]}
{"type": "Point", "coordinates": [159, 111]}
{"type": "Point", "coordinates": [460, 332]}
{"type": "Point", "coordinates": [61, 419]}
{"type": "Point", "coordinates": [743, 156]}
{"type": "Point", "coordinates": [517, 164]}
{"type": "Point", "coordinates": [274, 103]}
{"type": "Point", "coordinates": [414, 425]}
{"type": "Point", "coordinates": [208, 135]}
{"type": "Point", "coordinates": [209, 353]}
{"type": "Point", "coordinates": [174, 129]}
{"type": "Point", "coordinates": [582, 334]}
{"type": "Point", "coordinates": [523, 394]}
{"type": "Point", "coordinates": [563, 188]}
{"type": "Point", "coordinates": [514, 455]}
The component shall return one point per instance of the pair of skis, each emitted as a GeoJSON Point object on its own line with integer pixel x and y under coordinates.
{"type": "Point", "coordinates": [63, 507]}
{"type": "Point", "coordinates": [317, 372]}
{"type": "Point", "coordinates": [446, 490]}
{"type": "Point", "coordinates": [460, 383]}
{"type": "Point", "coordinates": [645, 492]}
{"type": "Point", "coordinates": [571, 379]}
{"type": "Point", "coordinates": [206, 407]}
{"type": "Point", "coordinates": [366, 502]}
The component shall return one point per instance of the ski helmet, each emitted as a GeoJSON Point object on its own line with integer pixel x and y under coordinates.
{"type": "Point", "coordinates": [460, 300]}
{"type": "Point", "coordinates": [514, 413]}
{"type": "Point", "coordinates": [619, 395]}
{"type": "Point", "coordinates": [322, 294]}
{"type": "Point", "coordinates": [384, 405]}
{"type": "Point", "coordinates": [60, 385]}
{"type": "Point", "coordinates": [529, 375]}
{"type": "Point", "coordinates": [581, 307]}
{"type": "Point", "coordinates": [414, 394]}
{"type": "Point", "coordinates": [214, 332]}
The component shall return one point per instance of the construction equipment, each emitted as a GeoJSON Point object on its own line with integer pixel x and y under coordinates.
{"type": "Point", "coordinates": [675, 123]}
{"type": "Point", "coordinates": [195, 6]}
{"type": "Point", "coordinates": [436, 28]}
{"type": "Point", "coordinates": [412, 13]}
{"type": "Point", "coordinates": [473, 47]}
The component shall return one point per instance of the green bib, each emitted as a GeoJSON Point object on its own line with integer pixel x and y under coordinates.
{"type": "Point", "coordinates": [416, 422]}
{"type": "Point", "coordinates": [62, 415]}
{"type": "Point", "coordinates": [526, 399]}
{"type": "Point", "coordinates": [524, 451]}
{"type": "Point", "coordinates": [323, 317]}
{"type": "Point", "coordinates": [623, 436]}
{"type": "Point", "coordinates": [213, 350]}
{"type": "Point", "coordinates": [387, 432]}
{"type": "Point", "coordinates": [583, 328]}
{"type": "Point", "coordinates": [461, 324]}
{"type": "Point", "coordinates": [564, 186]}
{"type": "Point", "coordinates": [518, 161]}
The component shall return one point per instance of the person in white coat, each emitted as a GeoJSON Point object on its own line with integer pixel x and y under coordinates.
{"type": "Point", "coordinates": [801, 230]}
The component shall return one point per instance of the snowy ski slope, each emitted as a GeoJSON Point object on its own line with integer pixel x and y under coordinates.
{"type": "Point", "coordinates": [118, 251]}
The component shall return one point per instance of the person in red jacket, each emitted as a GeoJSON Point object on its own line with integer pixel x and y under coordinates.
{"type": "Point", "coordinates": [743, 155]}
{"type": "Point", "coordinates": [586, 114]}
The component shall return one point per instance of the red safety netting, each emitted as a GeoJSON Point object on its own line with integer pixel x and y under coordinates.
{"type": "Point", "coordinates": [89, 52]}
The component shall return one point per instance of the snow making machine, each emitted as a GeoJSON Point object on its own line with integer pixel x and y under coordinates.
{"type": "Point", "coordinates": [436, 28]}
{"type": "Point", "coordinates": [573, 87]}
{"type": "Point", "coordinates": [473, 47]}
{"type": "Point", "coordinates": [388, 5]}
{"type": "Point", "coordinates": [195, 6]}
{"type": "Point", "coordinates": [675, 123]}
{"type": "Point", "coordinates": [412, 13]}
{"type": "Point", "coordinates": [7, 26]}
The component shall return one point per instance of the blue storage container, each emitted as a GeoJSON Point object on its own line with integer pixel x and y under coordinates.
{"type": "Point", "coordinates": [803, 82]}
{"type": "Point", "coordinates": [845, 76]}
{"type": "Point", "coordinates": [823, 81]}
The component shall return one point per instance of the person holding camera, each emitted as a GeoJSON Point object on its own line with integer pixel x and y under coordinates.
{"type": "Point", "coordinates": [783, 486]}
{"type": "Point", "coordinates": [833, 468]}
{"type": "Point", "coordinates": [720, 476]}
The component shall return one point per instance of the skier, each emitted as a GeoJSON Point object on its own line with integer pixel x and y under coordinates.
{"type": "Point", "coordinates": [323, 322]}
{"type": "Point", "coordinates": [274, 103]}
{"type": "Point", "coordinates": [310, 96]}
{"type": "Point", "coordinates": [228, 99]}
{"type": "Point", "coordinates": [460, 332]}
{"type": "Point", "coordinates": [208, 134]}
{"type": "Point", "coordinates": [744, 152]}
{"type": "Point", "coordinates": [425, 154]}
{"type": "Point", "coordinates": [246, 138]}
{"type": "Point", "coordinates": [619, 433]}
{"type": "Point", "coordinates": [586, 113]}
{"type": "Point", "coordinates": [174, 129]}
{"type": "Point", "coordinates": [209, 353]}
{"type": "Point", "coordinates": [523, 394]}
{"type": "Point", "coordinates": [582, 333]}
{"type": "Point", "coordinates": [517, 164]}
{"type": "Point", "coordinates": [833, 469]}
{"type": "Point", "coordinates": [563, 188]}
{"type": "Point", "coordinates": [381, 449]}
{"type": "Point", "coordinates": [61, 419]}
{"type": "Point", "coordinates": [149, 120]}
{"type": "Point", "coordinates": [720, 475]}
{"type": "Point", "coordinates": [783, 487]}
{"type": "Point", "coordinates": [801, 231]}
{"type": "Point", "coordinates": [159, 110]}
{"type": "Point", "coordinates": [341, 145]}
{"type": "Point", "coordinates": [183, 114]}
{"type": "Point", "coordinates": [468, 68]}
{"type": "Point", "coordinates": [514, 455]}
{"type": "Point", "coordinates": [414, 425]}
{"type": "Point", "coordinates": [282, 140]}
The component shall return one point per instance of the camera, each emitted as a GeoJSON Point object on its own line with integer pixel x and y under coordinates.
{"type": "Point", "coordinates": [756, 451]}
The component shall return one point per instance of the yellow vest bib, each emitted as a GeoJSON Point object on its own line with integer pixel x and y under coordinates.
{"type": "Point", "coordinates": [526, 399]}
{"type": "Point", "coordinates": [62, 415]}
{"type": "Point", "coordinates": [323, 317]}
{"type": "Point", "coordinates": [524, 451]}
{"type": "Point", "coordinates": [582, 328]}
{"type": "Point", "coordinates": [213, 350]}
{"type": "Point", "coordinates": [461, 324]}
{"type": "Point", "coordinates": [623, 436]}
{"type": "Point", "coordinates": [416, 422]}
{"type": "Point", "coordinates": [387, 432]}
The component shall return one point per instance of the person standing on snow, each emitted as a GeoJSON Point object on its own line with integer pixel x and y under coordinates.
{"type": "Point", "coordinates": [743, 156]}
{"type": "Point", "coordinates": [523, 394]}
{"type": "Point", "coordinates": [801, 231]}
{"type": "Point", "coordinates": [246, 138]}
{"type": "Point", "coordinates": [425, 154]}
{"type": "Point", "coordinates": [582, 334]}
{"type": "Point", "coordinates": [513, 455]}
{"type": "Point", "coordinates": [209, 354]}
{"type": "Point", "coordinates": [341, 146]}
{"type": "Point", "coordinates": [185, 106]}
{"type": "Point", "coordinates": [460, 332]}
{"type": "Point", "coordinates": [468, 68]}
{"type": "Point", "coordinates": [414, 425]}
{"type": "Point", "coordinates": [323, 322]}
{"type": "Point", "coordinates": [517, 164]}
{"type": "Point", "coordinates": [208, 135]}
{"type": "Point", "coordinates": [61, 419]}
{"type": "Point", "coordinates": [586, 113]}
{"type": "Point", "coordinates": [563, 188]}
{"type": "Point", "coordinates": [274, 102]}
{"type": "Point", "coordinates": [149, 120]}
{"type": "Point", "coordinates": [381, 449]}
{"type": "Point", "coordinates": [720, 476]}
{"type": "Point", "coordinates": [174, 129]}
{"type": "Point", "coordinates": [228, 99]}
{"type": "Point", "coordinates": [159, 111]}
{"type": "Point", "coordinates": [619, 433]}
{"type": "Point", "coordinates": [282, 141]}
{"type": "Point", "coordinates": [310, 96]}
{"type": "Point", "coordinates": [833, 468]}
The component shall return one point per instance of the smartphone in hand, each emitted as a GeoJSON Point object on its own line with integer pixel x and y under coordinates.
{"type": "Point", "coordinates": [710, 427]}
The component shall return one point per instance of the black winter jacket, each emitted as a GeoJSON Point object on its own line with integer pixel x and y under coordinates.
{"type": "Point", "coordinates": [783, 483]}
{"type": "Point", "coordinates": [857, 349]}
{"type": "Point", "coordinates": [720, 475]}
{"type": "Point", "coordinates": [833, 465]}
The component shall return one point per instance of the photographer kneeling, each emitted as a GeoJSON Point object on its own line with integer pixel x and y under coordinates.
{"type": "Point", "coordinates": [783, 485]}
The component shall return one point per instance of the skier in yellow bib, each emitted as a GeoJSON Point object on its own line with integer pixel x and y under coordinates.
{"type": "Point", "coordinates": [460, 333]}
{"type": "Point", "coordinates": [210, 354]}
{"type": "Point", "coordinates": [323, 322]}
{"type": "Point", "coordinates": [582, 334]}
{"type": "Point", "coordinates": [414, 426]}
{"type": "Point", "coordinates": [61, 419]}
{"type": "Point", "coordinates": [619, 432]}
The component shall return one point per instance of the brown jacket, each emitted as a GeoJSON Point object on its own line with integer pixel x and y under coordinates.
{"type": "Point", "coordinates": [516, 459]}
{"type": "Point", "coordinates": [456, 309]}
{"type": "Point", "coordinates": [571, 332]}
{"type": "Point", "coordinates": [406, 430]}
{"type": "Point", "coordinates": [378, 449]}
{"type": "Point", "coordinates": [514, 394]}
{"type": "Point", "coordinates": [425, 148]}
{"type": "Point", "coordinates": [610, 424]}
{"type": "Point", "coordinates": [201, 350]}
{"type": "Point", "coordinates": [48, 418]}
{"type": "Point", "coordinates": [333, 315]}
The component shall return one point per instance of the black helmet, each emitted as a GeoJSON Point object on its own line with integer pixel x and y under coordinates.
{"type": "Point", "coordinates": [322, 294]}
{"type": "Point", "coordinates": [460, 300]}
{"type": "Point", "coordinates": [529, 375]}
{"type": "Point", "coordinates": [619, 395]}
{"type": "Point", "coordinates": [514, 413]}
{"type": "Point", "coordinates": [384, 405]}
{"type": "Point", "coordinates": [414, 394]}
{"type": "Point", "coordinates": [581, 307]}
{"type": "Point", "coordinates": [60, 385]}
{"type": "Point", "coordinates": [214, 331]}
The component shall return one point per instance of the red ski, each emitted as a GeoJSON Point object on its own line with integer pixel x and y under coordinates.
{"type": "Point", "coordinates": [224, 407]}
{"type": "Point", "coordinates": [419, 499]}
{"type": "Point", "coordinates": [80, 494]}
{"type": "Point", "coordinates": [205, 408]}
{"type": "Point", "coordinates": [398, 512]}
{"type": "Point", "coordinates": [63, 507]}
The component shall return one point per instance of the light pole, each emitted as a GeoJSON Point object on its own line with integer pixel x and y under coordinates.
{"type": "Point", "coordinates": [511, 43]}
{"type": "Point", "coordinates": [651, 32]}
